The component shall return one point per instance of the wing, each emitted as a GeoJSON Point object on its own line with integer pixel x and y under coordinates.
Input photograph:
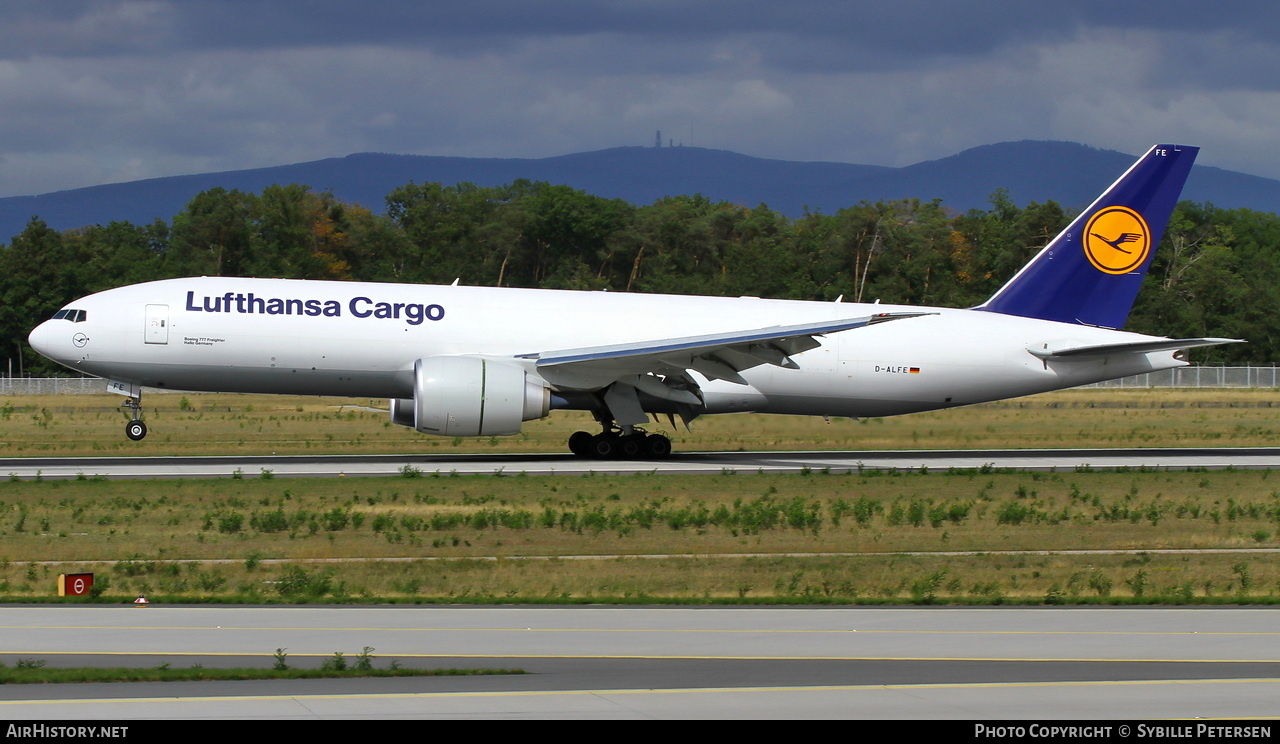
{"type": "Point", "coordinates": [661, 367]}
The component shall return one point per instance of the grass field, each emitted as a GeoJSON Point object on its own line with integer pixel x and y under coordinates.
{"type": "Point", "coordinates": [870, 537]}
{"type": "Point", "coordinates": [240, 424]}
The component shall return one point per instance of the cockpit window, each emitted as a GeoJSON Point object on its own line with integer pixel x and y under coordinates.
{"type": "Point", "coordinates": [75, 316]}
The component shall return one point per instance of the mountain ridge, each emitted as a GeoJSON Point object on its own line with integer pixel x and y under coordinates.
{"type": "Point", "coordinates": [1029, 170]}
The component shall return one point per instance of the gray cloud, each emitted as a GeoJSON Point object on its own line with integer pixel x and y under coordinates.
{"type": "Point", "coordinates": [108, 90]}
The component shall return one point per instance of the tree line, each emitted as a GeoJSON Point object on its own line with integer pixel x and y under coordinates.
{"type": "Point", "coordinates": [1216, 273]}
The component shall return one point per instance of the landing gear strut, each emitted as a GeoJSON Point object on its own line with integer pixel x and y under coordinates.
{"type": "Point", "coordinates": [136, 429]}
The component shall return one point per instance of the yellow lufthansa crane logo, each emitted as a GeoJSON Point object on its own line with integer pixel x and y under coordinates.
{"type": "Point", "coordinates": [1117, 240]}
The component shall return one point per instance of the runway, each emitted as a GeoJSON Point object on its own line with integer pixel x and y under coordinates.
{"type": "Point", "coordinates": [616, 663]}
{"type": "Point", "coordinates": [690, 462]}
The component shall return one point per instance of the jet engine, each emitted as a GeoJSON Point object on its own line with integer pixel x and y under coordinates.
{"type": "Point", "coordinates": [470, 397]}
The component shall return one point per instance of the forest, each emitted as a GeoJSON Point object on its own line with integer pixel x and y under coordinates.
{"type": "Point", "coordinates": [1216, 272]}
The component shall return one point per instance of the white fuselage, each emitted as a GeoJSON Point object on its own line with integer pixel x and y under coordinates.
{"type": "Point", "coordinates": [361, 339]}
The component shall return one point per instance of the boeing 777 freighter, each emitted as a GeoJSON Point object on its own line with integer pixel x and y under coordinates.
{"type": "Point", "coordinates": [479, 361]}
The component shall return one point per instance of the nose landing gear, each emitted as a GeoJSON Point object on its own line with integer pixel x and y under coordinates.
{"type": "Point", "coordinates": [136, 429]}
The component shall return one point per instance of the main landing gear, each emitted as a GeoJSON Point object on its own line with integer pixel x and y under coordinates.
{"type": "Point", "coordinates": [616, 444]}
{"type": "Point", "coordinates": [620, 412]}
{"type": "Point", "coordinates": [136, 429]}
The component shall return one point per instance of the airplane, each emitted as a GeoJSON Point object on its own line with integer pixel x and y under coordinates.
{"type": "Point", "coordinates": [462, 361]}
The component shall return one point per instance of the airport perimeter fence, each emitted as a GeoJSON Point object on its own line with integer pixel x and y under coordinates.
{"type": "Point", "coordinates": [1183, 377]}
{"type": "Point", "coordinates": [53, 386]}
{"type": "Point", "coordinates": [1200, 377]}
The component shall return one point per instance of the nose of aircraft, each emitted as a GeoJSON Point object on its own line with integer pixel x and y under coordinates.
{"type": "Point", "coordinates": [44, 339]}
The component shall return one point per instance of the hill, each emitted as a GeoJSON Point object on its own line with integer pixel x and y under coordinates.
{"type": "Point", "coordinates": [1068, 173]}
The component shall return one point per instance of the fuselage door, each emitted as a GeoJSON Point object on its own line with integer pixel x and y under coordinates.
{"type": "Point", "coordinates": [157, 324]}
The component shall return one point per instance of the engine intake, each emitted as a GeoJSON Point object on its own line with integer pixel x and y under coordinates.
{"type": "Point", "coordinates": [470, 397]}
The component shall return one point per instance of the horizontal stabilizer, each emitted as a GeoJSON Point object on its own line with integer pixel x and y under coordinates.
{"type": "Point", "coordinates": [1137, 347]}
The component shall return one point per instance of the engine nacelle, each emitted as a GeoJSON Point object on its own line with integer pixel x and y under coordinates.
{"type": "Point", "coordinates": [402, 411]}
{"type": "Point", "coordinates": [470, 397]}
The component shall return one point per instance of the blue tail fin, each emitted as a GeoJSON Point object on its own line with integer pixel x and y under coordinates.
{"type": "Point", "coordinates": [1090, 274]}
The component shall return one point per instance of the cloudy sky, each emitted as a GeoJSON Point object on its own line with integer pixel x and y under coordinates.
{"type": "Point", "coordinates": [97, 91]}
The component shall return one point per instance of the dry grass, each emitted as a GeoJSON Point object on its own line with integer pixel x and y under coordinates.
{"type": "Point", "coordinates": [471, 537]}
{"type": "Point", "coordinates": [468, 538]}
{"type": "Point", "coordinates": [207, 424]}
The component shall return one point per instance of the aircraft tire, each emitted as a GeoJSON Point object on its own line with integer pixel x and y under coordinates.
{"type": "Point", "coordinates": [135, 430]}
{"type": "Point", "coordinates": [580, 443]}
{"type": "Point", "coordinates": [629, 448]}
{"type": "Point", "coordinates": [657, 447]}
{"type": "Point", "coordinates": [604, 446]}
